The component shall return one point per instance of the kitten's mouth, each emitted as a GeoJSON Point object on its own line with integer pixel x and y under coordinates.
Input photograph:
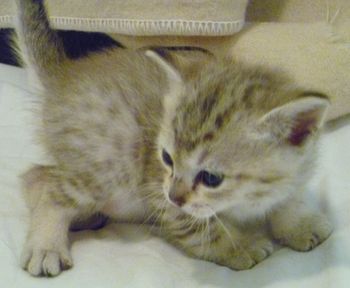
{"type": "Point", "coordinates": [200, 211]}
{"type": "Point", "coordinates": [197, 210]}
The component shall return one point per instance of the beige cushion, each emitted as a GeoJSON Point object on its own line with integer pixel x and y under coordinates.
{"type": "Point", "coordinates": [140, 17]}
{"type": "Point", "coordinates": [334, 12]}
{"type": "Point", "coordinates": [307, 52]}
{"type": "Point", "coordinates": [295, 10]}
{"type": "Point", "coordinates": [315, 50]}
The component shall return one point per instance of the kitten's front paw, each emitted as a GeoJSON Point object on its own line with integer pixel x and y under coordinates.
{"type": "Point", "coordinates": [260, 249]}
{"type": "Point", "coordinates": [45, 262]}
{"type": "Point", "coordinates": [239, 259]}
{"type": "Point", "coordinates": [311, 231]}
{"type": "Point", "coordinates": [254, 253]}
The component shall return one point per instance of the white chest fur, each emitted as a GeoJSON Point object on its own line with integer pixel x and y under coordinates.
{"type": "Point", "coordinates": [126, 206]}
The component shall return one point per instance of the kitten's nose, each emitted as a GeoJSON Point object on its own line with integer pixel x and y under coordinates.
{"type": "Point", "coordinates": [178, 192]}
{"type": "Point", "coordinates": [177, 200]}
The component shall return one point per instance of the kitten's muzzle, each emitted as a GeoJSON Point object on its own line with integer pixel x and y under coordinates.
{"type": "Point", "coordinates": [178, 193]}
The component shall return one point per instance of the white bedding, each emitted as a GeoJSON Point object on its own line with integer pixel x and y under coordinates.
{"type": "Point", "coordinates": [128, 256]}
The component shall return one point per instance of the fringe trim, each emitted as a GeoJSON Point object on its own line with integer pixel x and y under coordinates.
{"type": "Point", "coordinates": [142, 27]}
{"type": "Point", "coordinates": [6, 21]}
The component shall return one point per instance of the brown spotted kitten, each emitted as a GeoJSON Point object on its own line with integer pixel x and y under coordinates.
{"type": "Point", "coordinates": [216, 153]}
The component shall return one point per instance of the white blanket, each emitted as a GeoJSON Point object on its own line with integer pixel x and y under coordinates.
{"type": "Point", "coordinates": [128, 256]}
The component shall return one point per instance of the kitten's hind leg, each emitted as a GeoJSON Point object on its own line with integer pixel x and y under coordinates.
{"type": "Point", "coordinates": [46, 251]}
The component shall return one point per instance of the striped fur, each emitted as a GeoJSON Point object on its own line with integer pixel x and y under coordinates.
{"type": "Point", "coordinates": [107, 119]}
{"type": "Point", "coordinates": [43, 47]}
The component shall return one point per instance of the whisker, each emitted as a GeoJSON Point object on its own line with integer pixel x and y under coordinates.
{"type": "Point", "coordinates": [155, 195]}
{"type": "Point", "coordinates": [208, 229]}
{"type": "Point", "coordinates": [225, 230]}
{"type": "Point", "coordinates": [193, 220]}
{"type": "Point", "coordinates": [201, 230]}
{"type": "Point", "coordinates": [208, 234]}
{"type": "Point", "coordinates": [160, 215]}
{"type": "Point", "coordinates": [327, 12]}
{"type": "Point", "coordinates": [335, 16]}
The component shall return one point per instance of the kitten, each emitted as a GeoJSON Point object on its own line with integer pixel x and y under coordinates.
{"type": "Point", "coordinates": [213, 152]}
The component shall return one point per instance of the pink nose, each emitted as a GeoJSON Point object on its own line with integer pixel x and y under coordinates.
{"type": "Point", "coordinates": [177, 200]}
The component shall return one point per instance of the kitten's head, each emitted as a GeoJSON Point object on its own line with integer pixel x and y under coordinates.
{"type": "Point", "coordinates": [235, 139]}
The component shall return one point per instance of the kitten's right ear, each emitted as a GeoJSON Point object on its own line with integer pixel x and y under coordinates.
{"type": "Point", "coordinates": [166, 62]}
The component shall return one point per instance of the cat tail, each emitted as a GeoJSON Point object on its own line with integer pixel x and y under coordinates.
{"type": "Point", "coordinates": [39, 46]}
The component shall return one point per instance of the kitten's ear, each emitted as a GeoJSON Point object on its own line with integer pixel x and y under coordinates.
{"type": "Point", "coordinates": [166, 62]}
{"type": "Point", "coordinates": [294, 123]}
{"type": "Point", "coordinates": [180, 63]}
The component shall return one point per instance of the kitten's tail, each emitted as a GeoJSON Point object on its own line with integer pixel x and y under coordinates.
{"type": "Point", "coordinates": [40, 46]}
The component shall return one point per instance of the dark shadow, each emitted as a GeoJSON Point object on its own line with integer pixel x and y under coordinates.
{"type": "Point", "coordinates": [114, 232]}
{"type": "Point", "coordinates": [6, 54]}
{"type": "Point", "coordinates": [77, 44]}
{"type": "Point", "coordinates": [338, 123]}
{"type": "Point", "coordinates": [94, 222]}
{"type": "Point", "coordinates": [264, 11]}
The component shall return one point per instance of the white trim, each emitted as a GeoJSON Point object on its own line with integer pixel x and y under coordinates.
{"type": "Point", "coordinates": [142, 27]}
{"type": "Point", "coordinates": [6, 21]}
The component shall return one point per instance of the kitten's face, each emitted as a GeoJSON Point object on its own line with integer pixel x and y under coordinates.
{"type": "Point", "coordinates": [236, 172]}
{"type": "Point", "coordinates": [235, 140]}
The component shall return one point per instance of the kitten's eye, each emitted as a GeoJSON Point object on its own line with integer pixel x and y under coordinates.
{"type": "Point", "coordinates": [167, 158]}
{"type": "Point", "coordinates": [209, 179]}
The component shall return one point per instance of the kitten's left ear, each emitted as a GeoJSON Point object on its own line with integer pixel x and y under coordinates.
{"type": "Point", "coordinates": [166, 62]}
{"type": "Point", "coordinates": [297, 121]}
{"type": "Point", "coordinates": [179, 63]}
